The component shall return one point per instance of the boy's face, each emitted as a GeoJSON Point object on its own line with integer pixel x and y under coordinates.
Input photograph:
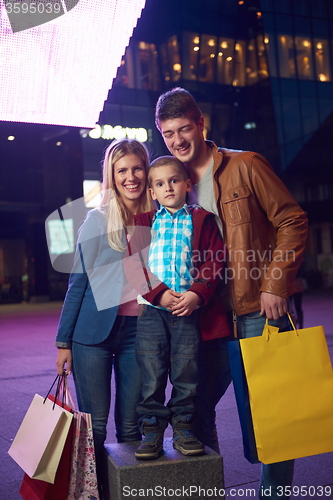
{"type": "Point", "coordinates": [169, 187]}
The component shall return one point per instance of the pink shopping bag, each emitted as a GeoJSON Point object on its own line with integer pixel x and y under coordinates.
{"type": "Point", "coordinates": [83, 477]}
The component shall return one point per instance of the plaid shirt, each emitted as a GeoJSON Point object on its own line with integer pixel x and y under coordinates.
{"type": "Point", "coordinates": [170, 252]}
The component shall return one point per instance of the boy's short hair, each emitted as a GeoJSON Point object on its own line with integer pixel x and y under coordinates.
{"type": "Point", "coordinates": [176, 103]}
{"type": "Point", "coordinates": [162, 161]}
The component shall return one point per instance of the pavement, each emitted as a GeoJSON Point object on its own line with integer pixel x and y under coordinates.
{"type": "Point", "coordinates": [27, 355]}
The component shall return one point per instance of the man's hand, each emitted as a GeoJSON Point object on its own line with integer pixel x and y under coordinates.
{"type": "Point", "coordinates": [187, 304]}
{"type": "Point", "coordinates": [169, 299]}
{"type": "Point", "coordinates": [272, 305]}
{"type": "Point", "coordinates": [64, 361]}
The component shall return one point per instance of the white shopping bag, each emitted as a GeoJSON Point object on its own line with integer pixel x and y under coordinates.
{"type": "Point", "coordinates": [40, 440]}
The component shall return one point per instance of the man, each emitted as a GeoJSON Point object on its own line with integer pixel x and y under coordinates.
{"type": "Point", "coordinates": [265, 232]}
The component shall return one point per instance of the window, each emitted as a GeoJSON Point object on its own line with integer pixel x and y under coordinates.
{"type": "Point", "coordinates": [263, 68]}
{"type": "Point", "coordinates": [165, 62]}
{"type": "Point", "coordinates": [251, 63]}
{"type": "Point", "coordinates": [269, 41]}
{"type": "Point", "coordinates": [207, 56]}
{"type": "Point", "coordinates": [148, 68]}
{"type": "Point", "coordinates": [323, 72]}
{"type": "Point", "coordinates": [174, 58]}
{"type": "Point", "coordinates": [139, 68]}
{"type": "Point", "coordinates": [286, 56]}
{"type": "Point", "coordinates": [191, 44]}
{"type": "Point", "coordinates": [225, 60]}
{"type": "Point", "coordinates": [304, 58]}
{"type": "Point", "coordinates": [123, 79]}
{"type": "Point", "coordinates": [240, 62]}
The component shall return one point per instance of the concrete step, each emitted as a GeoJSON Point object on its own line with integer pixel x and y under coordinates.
{"type": "Point", "coordinates": [171, 476]}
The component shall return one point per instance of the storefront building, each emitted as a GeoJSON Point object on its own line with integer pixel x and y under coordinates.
{"type": "Point", "coordinates": [262, 73]}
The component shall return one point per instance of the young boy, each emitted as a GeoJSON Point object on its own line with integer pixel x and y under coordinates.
{"type": "Point", "coordinates": [185, 260]}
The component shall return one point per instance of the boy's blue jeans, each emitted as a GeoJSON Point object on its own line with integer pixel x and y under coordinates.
{"type": "Point", "coordinates": [167, 344]}
{"type": "Point", "coordinates": [215, 377]}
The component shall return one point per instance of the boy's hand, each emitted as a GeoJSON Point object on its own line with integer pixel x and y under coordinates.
{"type": "Point", "coordinates": [187, 304]}
{"type": "Point", "coordinates": [169, 299]}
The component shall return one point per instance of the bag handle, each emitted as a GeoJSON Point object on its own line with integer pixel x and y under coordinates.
{"type": "Point", "coordinates": [69, 398]}
{"type": "Point", "coordinates": [57, 390]}
{"type": "Point", "coordinates": [61, 387]}
{"type": "Point", "coordinates": [292, 323]}
{"type": "Point", "coordinates": [294, 329]}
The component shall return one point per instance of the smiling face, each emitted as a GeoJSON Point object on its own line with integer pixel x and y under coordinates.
{"type": "Point", "coordinates": [184, 138]}
{"type": "Point", "coordinates": [169, 187]}
{"type": "Point", "coordinates": [130, 179]}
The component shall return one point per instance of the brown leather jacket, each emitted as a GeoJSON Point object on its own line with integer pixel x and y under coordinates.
{"type": "Point", "coordinates": [264, 228]}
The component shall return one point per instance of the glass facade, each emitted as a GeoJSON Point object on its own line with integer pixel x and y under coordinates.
{"type": "Point", "coordinates": [230, 61]}
{"type": "Point", "coordinates": [262, 73]}
{"type": "Point", "coordinates": [287, 44]}
{"type": "Point", "coordinates": [303, 57]}
{"type": "Point", "coordinates": [139, 67]}
{"type": "Point", "coordinates": [204, 58]}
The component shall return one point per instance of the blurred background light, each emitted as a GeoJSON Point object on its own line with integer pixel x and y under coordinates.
{"type": "Point", "coordinates": [60, 72]}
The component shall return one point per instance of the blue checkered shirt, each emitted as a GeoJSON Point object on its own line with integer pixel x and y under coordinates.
{"type": "Point", "coordinates": [170, 251]}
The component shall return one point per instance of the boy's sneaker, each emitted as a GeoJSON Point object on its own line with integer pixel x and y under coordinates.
{"type": "Point", "coordinates": [185, 441]}
{"type": "Point", "coordinates": [152, 445]}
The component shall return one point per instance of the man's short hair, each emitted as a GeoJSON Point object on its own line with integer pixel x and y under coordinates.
{"type": "Point", "coordinates": [176, 103]}
{"type": "Point", "coordinates": [162, 161]}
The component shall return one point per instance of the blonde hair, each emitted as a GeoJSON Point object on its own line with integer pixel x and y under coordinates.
{"type": "Point", "coordinates": [112, 204]}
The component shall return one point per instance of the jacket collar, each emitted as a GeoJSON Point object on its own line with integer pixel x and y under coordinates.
{"type": "Point", "coordinates": [217, 155]}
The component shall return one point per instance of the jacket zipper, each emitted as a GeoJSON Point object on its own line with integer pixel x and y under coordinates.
{"type": "Point", "coordinates": [234, 322]}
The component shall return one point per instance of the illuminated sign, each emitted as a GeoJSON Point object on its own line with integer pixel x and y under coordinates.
{"type": "Point", "coordinates": [109, 132]}
{"type": "Point", "coordinates": [48, 57]}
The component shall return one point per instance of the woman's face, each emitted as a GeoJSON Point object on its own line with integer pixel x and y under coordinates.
{"type": "Point", "coordinates": [130, 178]}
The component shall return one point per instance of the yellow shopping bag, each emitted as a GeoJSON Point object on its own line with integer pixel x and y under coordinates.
{"type": "Point", "coordinates": [290, 381]}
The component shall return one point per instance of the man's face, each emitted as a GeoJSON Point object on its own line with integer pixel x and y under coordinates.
{"type": "Point", "coordinates": [184, 138]}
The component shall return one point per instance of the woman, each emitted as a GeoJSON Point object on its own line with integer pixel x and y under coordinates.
{"type": "Point", "coordinates": [98, 321]}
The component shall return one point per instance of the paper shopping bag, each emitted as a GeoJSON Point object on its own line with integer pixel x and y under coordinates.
{"type": "Point", "coordinates": [40, 440]}
{"type": "Point", "coordinates": [290, 381]}
{"type": "Point", "coordinates": [35, 489]}
{"type": "Point", "coordinates": [83, 478]}
{"type": "Point", "coordinates": [243, 401]}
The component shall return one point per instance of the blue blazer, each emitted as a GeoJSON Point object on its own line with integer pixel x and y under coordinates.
{"type": "Point", "coordinates": [95, 286]}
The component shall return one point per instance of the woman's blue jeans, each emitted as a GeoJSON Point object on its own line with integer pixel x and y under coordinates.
{"type": "Point", "coordinates": [92, 369]}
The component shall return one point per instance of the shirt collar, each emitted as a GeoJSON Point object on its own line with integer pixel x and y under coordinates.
{"type": "Point", "coordinates": [163, 211]}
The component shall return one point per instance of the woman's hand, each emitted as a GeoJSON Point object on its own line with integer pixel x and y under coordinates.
{"type": "Point", "coordinates": [169, 299]}
{"type": "Point", "coordinates": [188, 302]}
{"type": "Point", "coordinates": [64, 361]}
